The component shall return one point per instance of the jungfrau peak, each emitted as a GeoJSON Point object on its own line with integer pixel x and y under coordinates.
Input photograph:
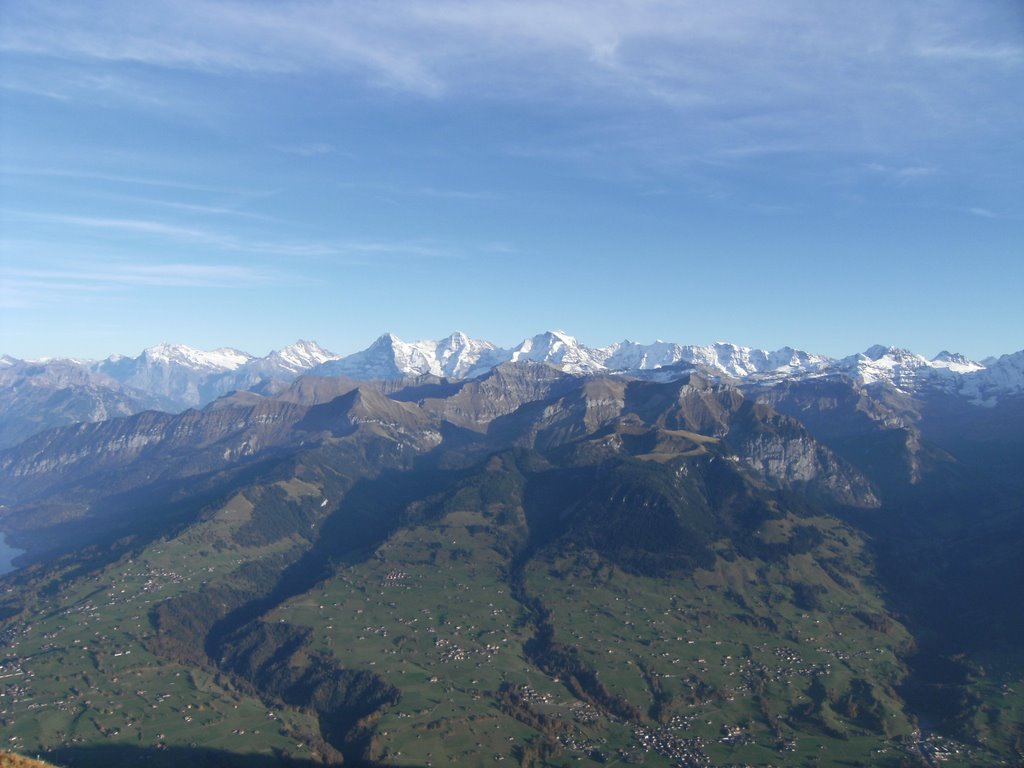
{"type": "Point", "coordinates": [558, 348]}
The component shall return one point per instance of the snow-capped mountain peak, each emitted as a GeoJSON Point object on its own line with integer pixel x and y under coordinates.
{"type": "Point", "coordinates": [301, 356]}
{"type": "Point", "coordinates": [459, 356]}
{"type": "Point", "coordinates": [629, 355]}
{"type": "Point", "coordinates": [1001, 376]}
{"type": "Point", "coordinates": [906, 370]}
{"type": "Point", "coordinates": [878, 351]}
{"type": "Point", "coordinates": [721, 358]}
{"type": "Point", "coordinates": [956, 362]}
{"type": "Point", "coordinates": [385, 340]}
{"type": "Point", "coordinates": [176, 376]}
{"type": "Point", "coordinates": [561, 349]}
{"type": "Point", "coordinates": [878, 363]}
{"type": "Point", "coordinates": [380, 360]}
{"type": "Point", "coordinates": [224, 358]}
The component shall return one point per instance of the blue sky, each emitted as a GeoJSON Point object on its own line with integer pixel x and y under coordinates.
{"type": "Point", "coordinates": [822, 175]}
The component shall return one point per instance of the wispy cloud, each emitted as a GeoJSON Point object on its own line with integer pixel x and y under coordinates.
{"type": "Point", "coordinates": [10, 84]}
{"type": "Point", "coordinates": [132, 234]}
{"type": "Point", "coordinates": [656, 85]}
{"type": "Point", "coordinates": [399, 248]}
{"type": "Point", "coordinates": [776, 209]}
{"type": "Point", "coordinates": [20, 292]}
{"type": "Point", "coordinates": [499, 247]}
{"type": "Point", "coordinates": [101, 84]}
{"type": "Point", "coordinates": [452, 194]}
{"type": "Point", "coordinates": [145, 181]}
{"type": "Point", "coordinates": [310, 149]}
{"type": "Point", "coordinates": [170, 232]}
{"type": "Point", "coordinates": [417, 190]}
{"type": "Point", "coordinates": [901, 175]}
{"type": "Point", "coordinates": [204, 210]}
{"type": "Point", "coordinates": [689, 57]}
{"type": "Point", "coordinates": [1001, 54]}
{"type": "Point", "coordinates": [223, 37]}
{"type": "Point", "coordinates": [97, 276]}
{"type": "Point", "coordinates": [121, 225]}
{"type": "Point", "coordinates": [27, 288]}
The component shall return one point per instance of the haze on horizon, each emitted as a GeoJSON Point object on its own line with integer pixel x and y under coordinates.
{"type": "Point", "coordinates": [825, 176]}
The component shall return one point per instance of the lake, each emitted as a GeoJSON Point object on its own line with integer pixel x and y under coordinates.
{"type": "Point", "coordinates": [7, 553]}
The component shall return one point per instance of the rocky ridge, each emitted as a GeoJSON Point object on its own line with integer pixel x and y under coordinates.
{"type": "Point", "coordinates": [169, 377]}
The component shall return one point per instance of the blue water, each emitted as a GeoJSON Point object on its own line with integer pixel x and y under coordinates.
{"type": "Point", "coordinates": [7, 553]}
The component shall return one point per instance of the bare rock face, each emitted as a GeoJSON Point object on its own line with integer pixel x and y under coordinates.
{"type": "Point", "coordinates": [38, 396]}
{"type": "Point", "coordinates": [799, 460]}
{"type": "Point", "coordinates": [778, 449]}
{"type": "Point", "coordinates": [475, 404]}
{"type": "Point", "coordinates": [685, 417]}
{"type": "Point", "coordinates": [147, 446]}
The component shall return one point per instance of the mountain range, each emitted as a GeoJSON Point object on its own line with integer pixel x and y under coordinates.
{"type": "Point", "coordinates": [448, 553]}
{"type": "Point", "coordinates": [36, 395]}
